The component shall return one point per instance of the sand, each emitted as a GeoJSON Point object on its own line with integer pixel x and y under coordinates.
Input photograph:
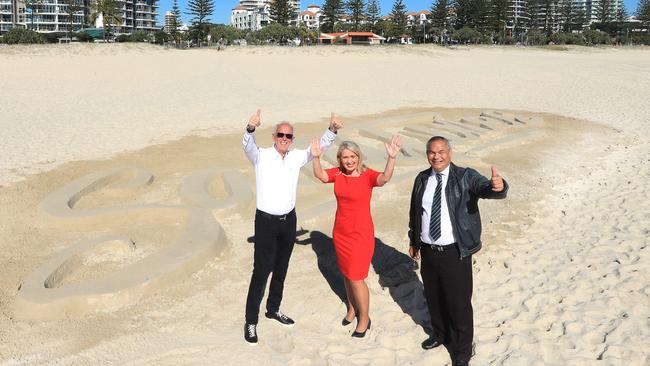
{"type": "Point", "coordinates": [562, 278]}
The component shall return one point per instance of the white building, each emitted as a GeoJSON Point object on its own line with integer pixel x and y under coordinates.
{"type": "Point", "coordinates": [255, 14]}
{"type": "Point", "coordinates": [52, 15]}
{"type": "Point", "coordinates": [310, 17]}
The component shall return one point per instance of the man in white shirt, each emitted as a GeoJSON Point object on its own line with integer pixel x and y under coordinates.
{"type": "Point", "coordinates": [445, 230]}
{"type": "Point", "coordinates": [276, 179]}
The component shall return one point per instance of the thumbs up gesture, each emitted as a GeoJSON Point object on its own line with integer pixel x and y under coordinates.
{"type": "Point", "coordinates": [254, 121]}
{"type": "Point", "coordinates": [335, 123]}
{"type": "Point", "coordinates": [496, 181]}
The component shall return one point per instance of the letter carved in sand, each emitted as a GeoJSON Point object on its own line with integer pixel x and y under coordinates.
{"type": "Point", "coordinates": [42, 294]}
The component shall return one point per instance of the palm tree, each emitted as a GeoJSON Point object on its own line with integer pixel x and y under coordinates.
{"type": "Point", "coordinates": [109, 10]}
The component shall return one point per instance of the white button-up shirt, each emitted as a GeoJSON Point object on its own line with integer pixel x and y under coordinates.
{"type": "Point", "coordinates": [276, 179]}
{"type": "Point", "coordinates": [446, 231]}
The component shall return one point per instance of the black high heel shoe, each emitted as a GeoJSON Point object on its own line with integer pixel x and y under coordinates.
{"type": "Point", "coordinates": [362, 334]}
{"type": "Point", "coordinates": [346, 322]}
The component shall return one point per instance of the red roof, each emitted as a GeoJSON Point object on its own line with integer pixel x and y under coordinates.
{"type": "Point", "coordinates": [239, 7]}
{"type": "Point", "coordinates": [307, 12]}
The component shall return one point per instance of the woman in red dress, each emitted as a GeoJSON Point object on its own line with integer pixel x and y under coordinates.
{"type": "Point", "coordinates": [354, 232]}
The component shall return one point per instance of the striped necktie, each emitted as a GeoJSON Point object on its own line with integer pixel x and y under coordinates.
{"type": "Point", "coordinates": [434, 224]}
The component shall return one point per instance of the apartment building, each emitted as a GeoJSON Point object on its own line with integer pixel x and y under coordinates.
{"type": "Point", "coordinates": [255, 14]}
{"type": "Point", "coordinates": [310, 17]}
{"type": "Point", "coordinates": [53, 15]}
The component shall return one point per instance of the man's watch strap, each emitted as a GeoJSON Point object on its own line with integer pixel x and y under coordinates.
{"type": "Point", "coordinates": [250, 130]}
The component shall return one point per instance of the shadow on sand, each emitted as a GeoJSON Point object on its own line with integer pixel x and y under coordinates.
{"type": "Point", "coordinates": [395, 269]}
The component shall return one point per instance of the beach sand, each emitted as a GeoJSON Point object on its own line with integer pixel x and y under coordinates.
{"type": "Point", "coordinates": [562, 278]}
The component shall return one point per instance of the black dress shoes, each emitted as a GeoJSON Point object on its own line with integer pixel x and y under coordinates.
{"type": "Point", "coordinates": [356, 334]}
{"type": "Point", "coordinates": [460, 362]}
{"type": "Point", "coordinates": [281, 318]}
{"type": "Point", "coordinates": [346, 322]}
{"type": "Point", "coordinates": [431, 343]}
{"type": "Point", "coordinates": [250, 333]}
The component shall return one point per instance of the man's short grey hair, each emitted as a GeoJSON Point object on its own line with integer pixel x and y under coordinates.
{"type": "Point", "coordinates": [282, 123]}
{"type": "Point", "coordinates": [438, 138]}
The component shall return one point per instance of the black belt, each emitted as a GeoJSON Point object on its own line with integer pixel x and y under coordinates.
{"type": "Point", "coordinates": [441, 248]}
{"type": "Point", "coordinates": [276, 217]}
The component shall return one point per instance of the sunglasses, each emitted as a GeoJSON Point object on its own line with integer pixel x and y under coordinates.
{"type": "Point", "coordinates": [282, 134]}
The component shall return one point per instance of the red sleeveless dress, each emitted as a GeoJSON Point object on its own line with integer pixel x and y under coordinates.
{"type": "Point", "coordinates": [354, 232]}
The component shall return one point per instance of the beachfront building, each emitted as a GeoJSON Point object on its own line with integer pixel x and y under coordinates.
{"type": "Point", "coordinates": [255, 14]}
{"type": "Point", "coordinates": [12, 14]}
{"type": "Point", "coordinates": [516, 17]}
{"type": "Point", "coordinates": [593, 9]}
{"type": "Point", "coordinates": [52, 15]}
{"type": "Point", "coordinates": [418, 18]}
{"type": "Point", "coordinates": [351, 38]}
{"type": "Point", "coordinates": [310, 17]}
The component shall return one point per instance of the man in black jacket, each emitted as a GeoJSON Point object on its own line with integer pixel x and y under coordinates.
{"type": "Point", "coordinates": [444, 231]}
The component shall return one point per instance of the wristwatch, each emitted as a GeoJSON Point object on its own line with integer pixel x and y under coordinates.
{"type": "Point", "coordinates": [250, 130]}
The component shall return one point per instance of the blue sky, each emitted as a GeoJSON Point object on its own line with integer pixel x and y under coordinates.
{"type": "Point", "coordinates": [223, 7]}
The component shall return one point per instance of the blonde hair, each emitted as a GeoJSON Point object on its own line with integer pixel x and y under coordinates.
{"type": "Point", "coordinates": [349, 145]}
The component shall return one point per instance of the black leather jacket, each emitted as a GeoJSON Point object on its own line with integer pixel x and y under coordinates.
{"type": "Point", "coordinates": [464, 187]}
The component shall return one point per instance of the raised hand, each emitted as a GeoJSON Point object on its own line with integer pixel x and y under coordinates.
{"type": "Point", "coordinates": [394, 146]}
{"type": "Point", "coordinates": [255, 121]}
{"type": "Point", "coordinates": [496, 181]}
{"type": "Point", "coordinates": [315, 147]}
{"type": "Point", "coordinates": [335, 123]}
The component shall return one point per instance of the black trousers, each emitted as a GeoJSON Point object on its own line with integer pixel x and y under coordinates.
{"type": "Point", "coordinates": [448, 285]}
{"type": "Point", "coordinates": [274, 240]}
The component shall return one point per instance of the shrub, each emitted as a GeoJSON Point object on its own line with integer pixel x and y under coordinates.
{"type": "Point", "coordinates": [22, 36]}
{"type": "Point", "coordinates": [536, 38]}
{"type": "Point", "coordinates": [640, 39]}
{"type": "Point", "coordinates": [83, 37]}
{"type": "Point", "coordinates": [568, 38]}
{"type": "Point", "coordinates": [467, 34]}
{"type": "Point", "coordinates": [593, 36]}
{"type": "Point", "coordinates": [161, 37]}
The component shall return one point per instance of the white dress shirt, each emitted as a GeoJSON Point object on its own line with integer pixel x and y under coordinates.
{"type": "Point", "coordinates": [276, 179]}
{"type": "Point", "coordinates": [446, 231]}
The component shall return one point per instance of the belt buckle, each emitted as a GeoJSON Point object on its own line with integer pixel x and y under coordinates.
{"type": "Point", "coordinates": [283, 217]}
{"type": "Point", "coordinates": [438, 248]}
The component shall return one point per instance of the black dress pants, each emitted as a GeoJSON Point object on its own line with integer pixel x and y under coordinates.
{"type": "Point", "coordinates": [274, 240]}
{"type": "Point", "coordinates": [448, 285]}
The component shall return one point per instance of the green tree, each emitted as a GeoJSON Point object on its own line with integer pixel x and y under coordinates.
{"type": "Point", "coordinates": [176, 22]}
{"type": "Point", "coordinates": [373, 13]}
{"type": "Point", "coordinates": [357, 12]}
{"type": "Point", "coordinates": [643, 11]}
{"type": "Point", "coordinates": [332, 11]}
{"type": "Point", "coordinates": [110, 12]}
{"type": "Point", "coordinates": [463, 13]}
{"type": "Point", "coordinates": [621, 14]}
{"type": "Point", "coordinates": [398, 15]}
{"type": "Point", "coordinates": [572, 16]}
{"type": "Point", "coordinates": [497, 16]}
{"type": "Point", "coordinates": [74, 7]}
{"type": "Point", "coordinates": [604, 11]}
{"type": "Point", "coordinates": [201, 10]}
{"type": "Point", "coordinates": [536, 10]}
{"type": "Point", "coordinates": [226, 32]}
{"type": "Point", "coordinates": [21, 36]}
{"type": "Point", "coordinates": [281, 12]}
{"type": "Point", "coordinates": [439, 18]}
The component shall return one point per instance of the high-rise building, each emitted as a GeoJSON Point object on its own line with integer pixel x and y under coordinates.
{"type": "Point", "coordinates": [52, 15]}
{"type": "Point", "coordinates": [170, 22]}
